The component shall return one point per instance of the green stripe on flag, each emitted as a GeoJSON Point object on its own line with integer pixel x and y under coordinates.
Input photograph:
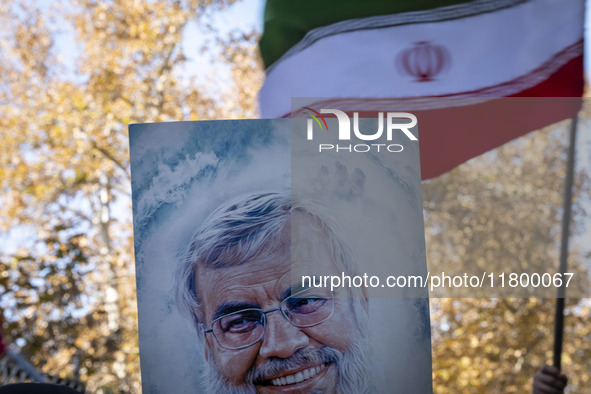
{"type": "Point", "coordinates": [288, 21]}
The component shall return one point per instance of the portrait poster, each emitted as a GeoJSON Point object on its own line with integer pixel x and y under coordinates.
{"type": "Point", "coordinates": [242, 230]}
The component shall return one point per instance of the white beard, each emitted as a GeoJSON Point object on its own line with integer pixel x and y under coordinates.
{"type": "Point", "coordinates": [354, 374]}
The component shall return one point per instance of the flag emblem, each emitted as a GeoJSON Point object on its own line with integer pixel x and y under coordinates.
{"type": "Point", "coordinates": [424, 61]}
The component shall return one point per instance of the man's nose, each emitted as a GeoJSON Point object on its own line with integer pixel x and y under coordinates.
{"type": "Point", "coordinates": [281, 338]}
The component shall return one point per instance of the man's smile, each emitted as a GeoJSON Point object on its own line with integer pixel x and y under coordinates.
{"type": "Point", "coordinates": [296, 376]}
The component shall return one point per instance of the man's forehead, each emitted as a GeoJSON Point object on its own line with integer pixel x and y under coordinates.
{"type": "Point", "coordinates": [286, 269]}
{"type": "Point", "coordinates": [301, 249]}
{"type": "Point", "coordinates": [240, 287]}
{"type": "Point", "coordinates": [286, 272]}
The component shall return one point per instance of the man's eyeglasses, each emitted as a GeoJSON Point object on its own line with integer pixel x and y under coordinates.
{"type": "Point", "coordinates": [244, 328]}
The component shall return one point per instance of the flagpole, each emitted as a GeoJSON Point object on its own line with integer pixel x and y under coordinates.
{"type": "Point", "coordinates": [566, 216]}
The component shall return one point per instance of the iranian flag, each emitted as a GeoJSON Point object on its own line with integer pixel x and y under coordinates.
{"type": "Point", "coordinates": [452, 62]}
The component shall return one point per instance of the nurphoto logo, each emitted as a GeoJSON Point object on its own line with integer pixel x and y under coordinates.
{"type": "Point", "coordinates": [391, 122]}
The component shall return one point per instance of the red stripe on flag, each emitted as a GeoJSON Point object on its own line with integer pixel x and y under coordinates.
{"type": "Point", "coordinates": [483, 127]}
{"type": "Point", "coordinates": [568, 81]}
{"type": "Point", "coordinates": [449, 137]}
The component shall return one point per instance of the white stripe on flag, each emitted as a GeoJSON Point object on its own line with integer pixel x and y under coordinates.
{"type": "Point", "coordinates": [483, 51]}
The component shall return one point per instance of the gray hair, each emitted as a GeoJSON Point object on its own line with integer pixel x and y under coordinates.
{"type": "Point", "coordinates": [250, 227]}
